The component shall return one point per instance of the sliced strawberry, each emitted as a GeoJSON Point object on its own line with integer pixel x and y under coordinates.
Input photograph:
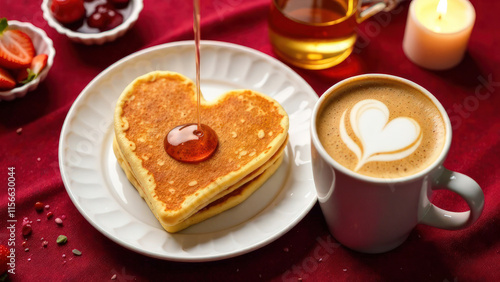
{"type": "Point", "coordinates": [7, 82]}
{"type": "Point", "coordinates": [16, 47]}
{"type": "Point", "coordinates": [37, 65]}
{"type": "Point", "coordinates": [22, 75]}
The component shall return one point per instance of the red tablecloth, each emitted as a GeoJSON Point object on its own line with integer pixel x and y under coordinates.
{"type": "Point", "coordinates": [306, 252]}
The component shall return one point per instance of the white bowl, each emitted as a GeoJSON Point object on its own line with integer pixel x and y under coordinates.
{"type": "Point", "coordinates": [94, 38]}
{"type": "Point", "coordinates": [43, 45]}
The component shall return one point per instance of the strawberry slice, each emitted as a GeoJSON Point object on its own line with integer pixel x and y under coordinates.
{"type": "Point", "coordinates": [37, 65]}
{"type": "Point", "coordinates": [16, 47]}
{"type": "Point", "coordinates": [7, 82]}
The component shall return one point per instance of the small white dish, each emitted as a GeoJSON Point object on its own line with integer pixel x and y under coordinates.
{"type": "Point", "coordinates": [100, 190]}
{"type": "Point", "coordinates": [93, 38]}
{"type": "Point", "coordinates": [43, 45]}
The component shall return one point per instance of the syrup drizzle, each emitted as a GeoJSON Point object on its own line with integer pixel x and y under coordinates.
{"type": "Point", "coordinates": [192, 142]}
{"type": "Point", "coordinates": [197, 38]}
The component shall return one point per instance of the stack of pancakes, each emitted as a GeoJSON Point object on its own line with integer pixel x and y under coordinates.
{"type": "Point", "coordinates": [252, 130]}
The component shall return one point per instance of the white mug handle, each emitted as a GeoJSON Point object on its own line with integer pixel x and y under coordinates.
{"type": "Point", "coordinates": [468, 189]}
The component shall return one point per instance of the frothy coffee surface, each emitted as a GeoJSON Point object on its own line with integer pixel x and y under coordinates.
{"type": "Point", "coordinates": [381, 128]}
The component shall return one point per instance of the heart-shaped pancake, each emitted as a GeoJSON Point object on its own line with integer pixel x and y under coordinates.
{"type": "Point", "coordinates": [251, 129]}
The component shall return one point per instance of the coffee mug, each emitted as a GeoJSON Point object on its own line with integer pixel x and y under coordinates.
{"type": "Point", "coordinates": [318, 34]}
{"type": "Point", "coordinates": [378, 147]}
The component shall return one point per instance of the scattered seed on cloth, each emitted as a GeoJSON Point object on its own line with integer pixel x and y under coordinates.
{"type": "Point", "coordinates": [61, 240]}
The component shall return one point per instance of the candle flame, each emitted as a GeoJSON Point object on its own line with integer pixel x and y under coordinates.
{"type": "Point", "coordinates": [442, 7]}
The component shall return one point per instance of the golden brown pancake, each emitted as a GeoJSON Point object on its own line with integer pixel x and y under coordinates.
{"type": "Point", "coordinates": [251, 129]}
{"type": "Point", "coordinates": [225, 200]}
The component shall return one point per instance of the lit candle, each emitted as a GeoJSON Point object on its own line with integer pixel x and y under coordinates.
{"type": "Point", "coordinates": [437, 32]}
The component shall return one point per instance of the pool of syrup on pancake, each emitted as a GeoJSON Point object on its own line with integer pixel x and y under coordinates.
{"type": "Point", "coordinates": [192, 142]}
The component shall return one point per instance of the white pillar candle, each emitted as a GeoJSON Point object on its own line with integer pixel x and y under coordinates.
{"type": "Point", "coordinates": [437, 32]}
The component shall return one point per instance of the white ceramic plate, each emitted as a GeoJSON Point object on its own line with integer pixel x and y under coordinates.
{"type": "Point", "coordinates": [101, 192]}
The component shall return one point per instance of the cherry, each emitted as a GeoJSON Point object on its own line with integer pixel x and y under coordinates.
{"type": "Point", "coordinates": [119, 4]}
{"type": "Point", "coordinates": [103, 8]}
{"type": "Point", "coordinates": [96, 20]}
{"type": "Point", "coordinates": [67, 11]}
{"type": "Point", "coordinates": [105, 17]}
{"type": "Point", "coordinates": [114, 19]}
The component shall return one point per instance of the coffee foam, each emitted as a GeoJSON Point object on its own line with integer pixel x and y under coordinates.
{"type": "Point", "coordinates": [381, 128]}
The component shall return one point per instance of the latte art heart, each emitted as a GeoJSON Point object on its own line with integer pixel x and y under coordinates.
{"type": "Point", "coordinates": [381, 139]}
